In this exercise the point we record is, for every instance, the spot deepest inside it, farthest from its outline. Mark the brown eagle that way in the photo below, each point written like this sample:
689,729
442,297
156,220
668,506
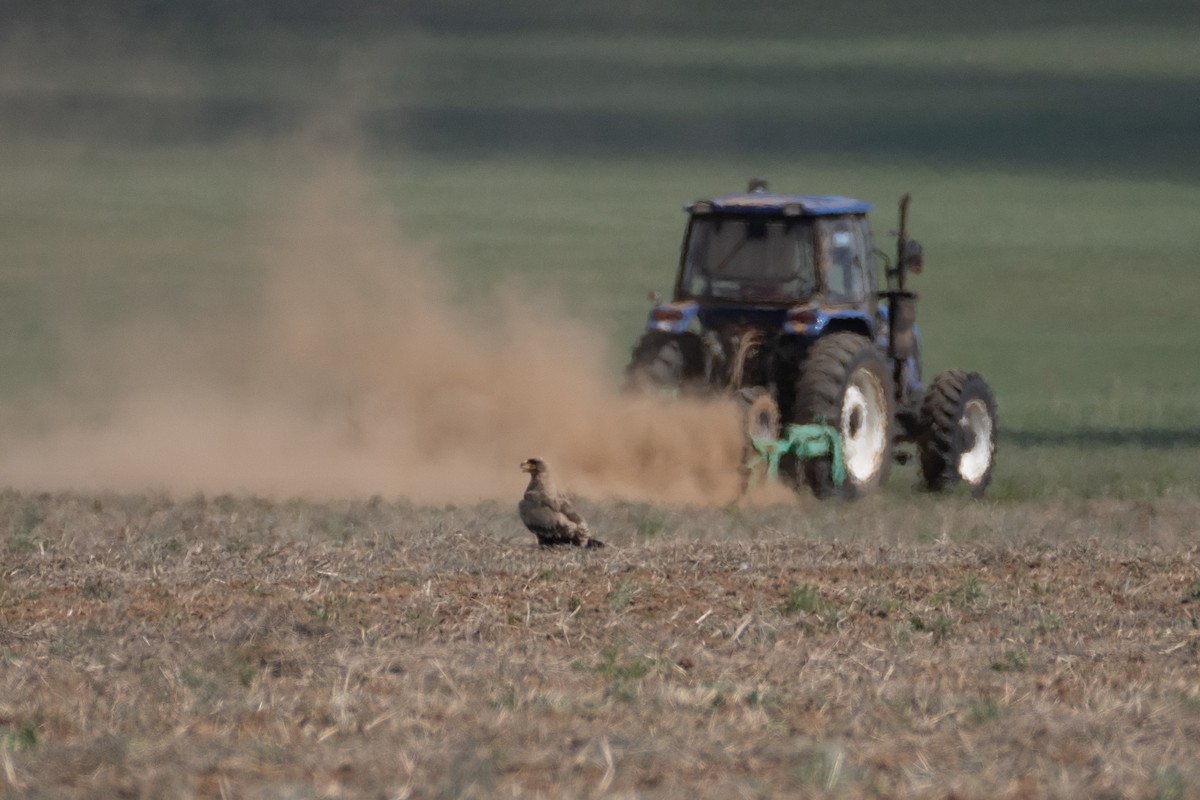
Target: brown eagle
549,513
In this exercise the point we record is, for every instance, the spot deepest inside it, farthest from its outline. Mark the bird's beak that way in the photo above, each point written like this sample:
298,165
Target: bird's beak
526,466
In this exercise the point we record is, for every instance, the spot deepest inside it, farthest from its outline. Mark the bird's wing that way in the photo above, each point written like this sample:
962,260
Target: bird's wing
538,515
563,505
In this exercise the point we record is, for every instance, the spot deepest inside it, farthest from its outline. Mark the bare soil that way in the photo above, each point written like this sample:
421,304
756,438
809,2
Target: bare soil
240,647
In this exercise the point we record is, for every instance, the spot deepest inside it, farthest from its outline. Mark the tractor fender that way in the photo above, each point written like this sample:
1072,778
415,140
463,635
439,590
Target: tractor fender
820,321
672,317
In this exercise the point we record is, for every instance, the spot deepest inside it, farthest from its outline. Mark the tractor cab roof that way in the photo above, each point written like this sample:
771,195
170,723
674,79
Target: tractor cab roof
760,202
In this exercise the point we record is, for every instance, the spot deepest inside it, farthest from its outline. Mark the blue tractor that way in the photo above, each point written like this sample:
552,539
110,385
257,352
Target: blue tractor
776,302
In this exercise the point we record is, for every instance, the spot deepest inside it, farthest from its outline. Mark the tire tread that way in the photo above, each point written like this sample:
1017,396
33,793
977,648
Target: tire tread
942,439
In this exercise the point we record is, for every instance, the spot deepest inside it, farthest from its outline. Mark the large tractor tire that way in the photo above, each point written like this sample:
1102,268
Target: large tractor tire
665,361
958,418
845,381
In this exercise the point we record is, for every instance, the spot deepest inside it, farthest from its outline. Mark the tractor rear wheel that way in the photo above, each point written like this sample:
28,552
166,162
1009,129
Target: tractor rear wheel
665,361
845,382
958,419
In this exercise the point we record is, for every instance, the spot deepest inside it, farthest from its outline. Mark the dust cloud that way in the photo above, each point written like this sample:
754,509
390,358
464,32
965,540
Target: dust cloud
357,374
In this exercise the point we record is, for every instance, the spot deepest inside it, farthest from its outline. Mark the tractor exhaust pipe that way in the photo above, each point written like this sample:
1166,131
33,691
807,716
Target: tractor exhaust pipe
902,304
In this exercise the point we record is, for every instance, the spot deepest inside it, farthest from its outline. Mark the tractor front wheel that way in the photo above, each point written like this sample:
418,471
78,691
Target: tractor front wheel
845,382
958,419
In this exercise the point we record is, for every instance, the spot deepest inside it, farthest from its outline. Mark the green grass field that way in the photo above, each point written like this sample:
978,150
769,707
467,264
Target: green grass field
1053,170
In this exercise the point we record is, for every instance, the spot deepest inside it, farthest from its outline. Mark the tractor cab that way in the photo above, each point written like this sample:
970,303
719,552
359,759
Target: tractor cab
770,249
793,264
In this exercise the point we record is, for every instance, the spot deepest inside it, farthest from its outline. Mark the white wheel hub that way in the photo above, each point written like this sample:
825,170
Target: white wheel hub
974,462
864,426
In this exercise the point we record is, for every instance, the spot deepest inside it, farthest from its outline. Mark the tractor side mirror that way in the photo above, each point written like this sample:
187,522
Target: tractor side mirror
913,257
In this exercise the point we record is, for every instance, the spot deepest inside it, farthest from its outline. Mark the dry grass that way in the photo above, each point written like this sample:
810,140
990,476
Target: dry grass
234,647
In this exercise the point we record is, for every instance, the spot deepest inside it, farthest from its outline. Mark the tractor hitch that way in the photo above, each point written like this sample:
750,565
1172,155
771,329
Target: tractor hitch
812,441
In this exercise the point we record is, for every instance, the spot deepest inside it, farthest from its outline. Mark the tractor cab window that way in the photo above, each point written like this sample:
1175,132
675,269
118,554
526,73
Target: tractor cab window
847,251
750,259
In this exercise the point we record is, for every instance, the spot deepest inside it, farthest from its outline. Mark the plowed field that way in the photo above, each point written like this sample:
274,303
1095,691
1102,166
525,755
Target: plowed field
234,647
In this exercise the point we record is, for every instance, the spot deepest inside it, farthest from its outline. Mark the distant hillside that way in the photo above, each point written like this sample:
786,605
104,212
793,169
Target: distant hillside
772,18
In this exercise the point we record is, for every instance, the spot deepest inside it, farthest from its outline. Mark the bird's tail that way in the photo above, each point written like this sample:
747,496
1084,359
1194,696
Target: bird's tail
593,544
